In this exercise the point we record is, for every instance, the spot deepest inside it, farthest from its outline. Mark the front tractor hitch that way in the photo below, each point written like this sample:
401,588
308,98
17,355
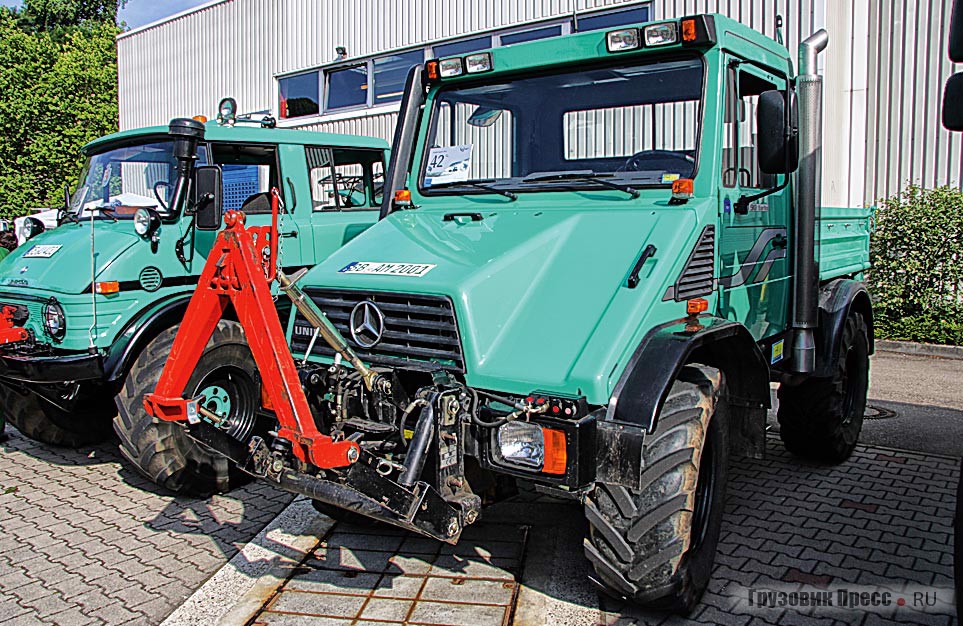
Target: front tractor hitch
10,333
237,275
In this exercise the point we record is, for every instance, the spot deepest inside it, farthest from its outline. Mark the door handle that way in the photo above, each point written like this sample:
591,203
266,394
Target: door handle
779,241
293,233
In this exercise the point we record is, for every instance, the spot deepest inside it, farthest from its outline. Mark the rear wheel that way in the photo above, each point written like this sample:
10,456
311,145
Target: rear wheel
821,418
655,546
41,420
226,376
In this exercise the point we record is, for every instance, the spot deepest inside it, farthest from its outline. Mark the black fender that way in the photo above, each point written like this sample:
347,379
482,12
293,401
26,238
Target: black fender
638,397
139,332
837,299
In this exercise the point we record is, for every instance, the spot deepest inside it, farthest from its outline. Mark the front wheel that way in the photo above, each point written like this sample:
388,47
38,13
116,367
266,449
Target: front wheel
41,420
226,376
655,546
821,418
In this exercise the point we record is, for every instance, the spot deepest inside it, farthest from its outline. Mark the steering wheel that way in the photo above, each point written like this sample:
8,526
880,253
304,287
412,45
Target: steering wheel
161,183
660,161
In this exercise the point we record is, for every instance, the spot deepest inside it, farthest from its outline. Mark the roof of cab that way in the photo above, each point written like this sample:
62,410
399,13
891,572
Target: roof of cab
249,133
579,47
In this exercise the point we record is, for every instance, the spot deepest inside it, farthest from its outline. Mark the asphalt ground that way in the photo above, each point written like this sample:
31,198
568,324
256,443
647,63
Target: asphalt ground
85,540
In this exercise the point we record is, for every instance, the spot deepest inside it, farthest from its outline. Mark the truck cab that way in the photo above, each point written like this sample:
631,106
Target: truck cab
125,259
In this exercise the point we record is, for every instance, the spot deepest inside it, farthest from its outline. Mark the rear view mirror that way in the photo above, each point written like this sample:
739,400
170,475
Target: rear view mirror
778,149
953,103
207,184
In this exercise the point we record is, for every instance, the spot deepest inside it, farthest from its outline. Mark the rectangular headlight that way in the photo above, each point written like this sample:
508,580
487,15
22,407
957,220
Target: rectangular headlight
661,34
451,67
622,40
478,63
532,446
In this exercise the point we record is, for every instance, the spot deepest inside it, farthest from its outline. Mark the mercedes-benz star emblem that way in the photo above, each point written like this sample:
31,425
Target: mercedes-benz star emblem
367,324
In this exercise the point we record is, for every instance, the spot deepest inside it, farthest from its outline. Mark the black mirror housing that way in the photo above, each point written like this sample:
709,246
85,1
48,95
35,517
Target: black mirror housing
778,150
953,103
209,193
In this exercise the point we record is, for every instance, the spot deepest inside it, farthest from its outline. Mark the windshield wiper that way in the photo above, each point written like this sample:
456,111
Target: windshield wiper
105,211
575,175
478,184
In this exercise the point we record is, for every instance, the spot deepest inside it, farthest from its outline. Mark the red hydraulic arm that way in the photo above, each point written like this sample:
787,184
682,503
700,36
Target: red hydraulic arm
9,331
236,274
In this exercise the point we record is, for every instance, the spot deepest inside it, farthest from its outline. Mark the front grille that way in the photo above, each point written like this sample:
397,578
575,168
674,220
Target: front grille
418,330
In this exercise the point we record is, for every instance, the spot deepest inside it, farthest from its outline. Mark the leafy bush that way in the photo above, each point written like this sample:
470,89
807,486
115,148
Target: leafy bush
59,92
917,274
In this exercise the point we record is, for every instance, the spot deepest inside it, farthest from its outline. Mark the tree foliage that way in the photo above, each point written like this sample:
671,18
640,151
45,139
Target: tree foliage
54,15
59,89
917,275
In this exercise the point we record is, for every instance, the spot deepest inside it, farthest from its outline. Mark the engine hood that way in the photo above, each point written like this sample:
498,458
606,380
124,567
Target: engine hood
540,295
59,260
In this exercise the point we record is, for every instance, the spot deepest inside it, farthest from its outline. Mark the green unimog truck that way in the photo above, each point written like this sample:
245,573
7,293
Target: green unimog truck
595,254
122,265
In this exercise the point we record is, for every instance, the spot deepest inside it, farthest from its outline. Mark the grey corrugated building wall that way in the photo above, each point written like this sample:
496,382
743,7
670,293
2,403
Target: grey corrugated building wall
884,69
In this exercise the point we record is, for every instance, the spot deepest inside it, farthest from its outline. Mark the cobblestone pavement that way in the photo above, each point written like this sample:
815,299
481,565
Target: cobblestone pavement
85,540
880,522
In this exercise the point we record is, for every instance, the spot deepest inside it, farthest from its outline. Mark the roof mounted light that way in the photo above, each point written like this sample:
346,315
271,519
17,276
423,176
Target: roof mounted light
478,63
623,40
227,112
699,30
449,68
661,34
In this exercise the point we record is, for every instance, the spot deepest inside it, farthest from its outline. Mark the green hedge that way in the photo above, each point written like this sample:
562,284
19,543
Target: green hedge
917,274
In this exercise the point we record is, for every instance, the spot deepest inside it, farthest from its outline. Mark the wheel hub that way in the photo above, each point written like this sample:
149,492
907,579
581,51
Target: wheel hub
232,395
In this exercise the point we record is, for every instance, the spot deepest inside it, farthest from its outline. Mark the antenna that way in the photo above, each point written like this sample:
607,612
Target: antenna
779,39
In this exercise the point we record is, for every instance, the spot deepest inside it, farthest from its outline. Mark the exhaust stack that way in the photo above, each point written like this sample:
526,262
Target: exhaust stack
809,187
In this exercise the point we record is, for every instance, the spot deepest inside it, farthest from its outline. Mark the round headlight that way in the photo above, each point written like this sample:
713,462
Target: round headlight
145,222
54,320
30,228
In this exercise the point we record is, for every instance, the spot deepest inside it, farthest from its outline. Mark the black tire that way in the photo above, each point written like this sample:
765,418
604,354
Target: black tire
161,450
821,418
958,548
656,546
38,419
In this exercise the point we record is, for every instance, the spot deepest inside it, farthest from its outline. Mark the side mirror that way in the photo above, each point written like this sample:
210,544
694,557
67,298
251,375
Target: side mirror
777,148
207,183
956,33
953,103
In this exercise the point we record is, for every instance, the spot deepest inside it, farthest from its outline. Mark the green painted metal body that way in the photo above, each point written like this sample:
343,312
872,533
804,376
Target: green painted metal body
121,255
539,285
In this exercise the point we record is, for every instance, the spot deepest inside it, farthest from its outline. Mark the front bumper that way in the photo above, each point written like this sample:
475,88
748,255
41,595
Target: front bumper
51,368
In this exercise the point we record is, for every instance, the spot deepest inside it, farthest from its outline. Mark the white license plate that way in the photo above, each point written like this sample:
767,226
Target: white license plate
415,270
41,252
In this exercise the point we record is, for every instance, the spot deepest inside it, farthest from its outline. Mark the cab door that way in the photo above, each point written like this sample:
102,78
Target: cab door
754,276
346,186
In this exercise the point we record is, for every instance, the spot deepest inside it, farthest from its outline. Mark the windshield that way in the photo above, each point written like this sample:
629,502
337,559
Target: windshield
632,125
114,184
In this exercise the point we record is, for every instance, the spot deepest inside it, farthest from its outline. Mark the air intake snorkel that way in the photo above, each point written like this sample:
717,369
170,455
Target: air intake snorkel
809,185
186,134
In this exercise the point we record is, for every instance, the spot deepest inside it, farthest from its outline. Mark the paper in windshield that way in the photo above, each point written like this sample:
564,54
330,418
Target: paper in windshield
448,165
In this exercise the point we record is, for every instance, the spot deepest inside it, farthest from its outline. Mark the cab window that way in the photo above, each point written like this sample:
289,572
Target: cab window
740,166
249,174
345,179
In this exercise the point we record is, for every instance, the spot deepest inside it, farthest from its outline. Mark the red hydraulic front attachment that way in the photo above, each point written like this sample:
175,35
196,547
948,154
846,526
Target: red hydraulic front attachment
9,331
237,274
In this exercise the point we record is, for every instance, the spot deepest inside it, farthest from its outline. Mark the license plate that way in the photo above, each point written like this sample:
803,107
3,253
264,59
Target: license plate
416,270
41,252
